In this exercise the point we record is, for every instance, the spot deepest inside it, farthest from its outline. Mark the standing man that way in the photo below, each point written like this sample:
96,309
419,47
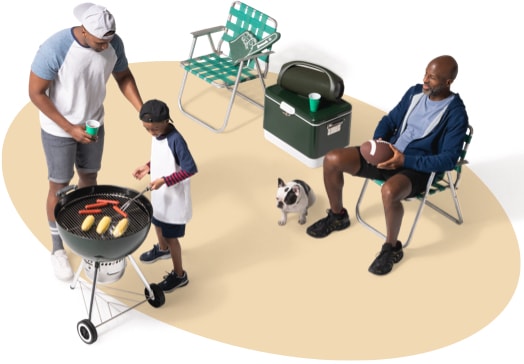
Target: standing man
426,130
67,83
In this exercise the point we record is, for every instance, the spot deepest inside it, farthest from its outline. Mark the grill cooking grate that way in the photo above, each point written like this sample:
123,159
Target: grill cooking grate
69,218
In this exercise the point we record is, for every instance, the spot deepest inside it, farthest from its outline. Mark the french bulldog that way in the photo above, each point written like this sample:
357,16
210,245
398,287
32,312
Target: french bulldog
295,196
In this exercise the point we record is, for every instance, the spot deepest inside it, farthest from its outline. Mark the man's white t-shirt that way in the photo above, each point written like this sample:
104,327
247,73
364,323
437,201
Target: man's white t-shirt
79,76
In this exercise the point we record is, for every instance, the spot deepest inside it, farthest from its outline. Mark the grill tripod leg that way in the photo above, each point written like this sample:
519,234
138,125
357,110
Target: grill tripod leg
142,278
93,290
77,275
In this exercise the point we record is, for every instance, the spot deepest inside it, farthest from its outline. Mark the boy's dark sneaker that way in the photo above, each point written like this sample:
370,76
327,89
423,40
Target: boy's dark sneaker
389,255
154,254
172,281
328,224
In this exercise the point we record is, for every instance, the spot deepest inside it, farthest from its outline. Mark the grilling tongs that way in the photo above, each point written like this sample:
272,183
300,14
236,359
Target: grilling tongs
129,202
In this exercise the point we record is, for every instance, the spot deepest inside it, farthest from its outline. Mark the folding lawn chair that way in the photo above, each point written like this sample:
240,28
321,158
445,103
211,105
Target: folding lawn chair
241,55
438,182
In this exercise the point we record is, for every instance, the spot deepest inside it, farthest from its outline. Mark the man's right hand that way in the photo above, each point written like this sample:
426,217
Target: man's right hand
78,133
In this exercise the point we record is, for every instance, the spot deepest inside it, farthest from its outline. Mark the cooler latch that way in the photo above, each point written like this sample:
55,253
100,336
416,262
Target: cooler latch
287,109
334,127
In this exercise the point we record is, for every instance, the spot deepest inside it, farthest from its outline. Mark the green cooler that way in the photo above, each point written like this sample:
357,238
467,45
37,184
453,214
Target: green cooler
307,136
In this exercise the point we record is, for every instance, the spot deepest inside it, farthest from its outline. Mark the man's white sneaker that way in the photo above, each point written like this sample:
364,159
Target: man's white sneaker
61,265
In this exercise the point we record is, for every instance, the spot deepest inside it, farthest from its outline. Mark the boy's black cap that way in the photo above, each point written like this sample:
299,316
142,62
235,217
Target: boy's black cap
154,111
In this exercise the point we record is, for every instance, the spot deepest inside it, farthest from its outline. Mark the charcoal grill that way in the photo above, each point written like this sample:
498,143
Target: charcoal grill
103,253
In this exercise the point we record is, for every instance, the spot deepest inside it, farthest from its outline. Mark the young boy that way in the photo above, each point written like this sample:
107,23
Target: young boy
171,166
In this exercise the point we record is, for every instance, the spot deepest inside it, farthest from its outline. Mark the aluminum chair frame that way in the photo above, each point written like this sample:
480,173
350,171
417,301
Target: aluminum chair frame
436,183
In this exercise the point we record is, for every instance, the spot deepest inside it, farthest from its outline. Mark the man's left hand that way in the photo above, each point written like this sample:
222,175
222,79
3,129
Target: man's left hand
395,162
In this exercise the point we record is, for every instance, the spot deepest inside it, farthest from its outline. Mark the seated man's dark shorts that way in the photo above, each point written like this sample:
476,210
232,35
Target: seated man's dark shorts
418,179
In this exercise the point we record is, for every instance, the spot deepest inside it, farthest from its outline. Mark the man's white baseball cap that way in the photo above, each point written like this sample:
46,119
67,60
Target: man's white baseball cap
96,19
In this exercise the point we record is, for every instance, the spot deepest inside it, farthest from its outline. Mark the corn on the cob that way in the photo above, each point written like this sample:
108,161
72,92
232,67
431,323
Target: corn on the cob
121,227
103,225
88,222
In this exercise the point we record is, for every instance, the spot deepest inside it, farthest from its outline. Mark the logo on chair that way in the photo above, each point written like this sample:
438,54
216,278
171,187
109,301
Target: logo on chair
248,40
246,45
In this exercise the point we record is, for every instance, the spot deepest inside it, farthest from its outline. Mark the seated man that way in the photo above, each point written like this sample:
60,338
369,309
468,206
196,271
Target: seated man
426,129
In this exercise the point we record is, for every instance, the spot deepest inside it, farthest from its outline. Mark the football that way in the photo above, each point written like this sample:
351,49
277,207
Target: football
376,151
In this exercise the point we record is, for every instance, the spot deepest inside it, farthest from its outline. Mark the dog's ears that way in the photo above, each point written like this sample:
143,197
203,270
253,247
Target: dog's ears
281,182
296,189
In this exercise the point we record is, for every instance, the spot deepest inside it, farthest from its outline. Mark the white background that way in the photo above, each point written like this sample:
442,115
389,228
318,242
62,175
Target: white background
380,48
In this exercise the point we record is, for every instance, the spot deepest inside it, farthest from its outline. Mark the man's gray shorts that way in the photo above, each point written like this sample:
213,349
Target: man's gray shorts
63,154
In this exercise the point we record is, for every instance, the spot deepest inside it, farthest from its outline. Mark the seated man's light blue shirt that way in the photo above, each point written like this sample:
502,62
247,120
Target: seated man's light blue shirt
420,120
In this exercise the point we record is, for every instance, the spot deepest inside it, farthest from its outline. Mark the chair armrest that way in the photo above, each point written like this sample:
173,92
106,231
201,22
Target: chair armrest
208,31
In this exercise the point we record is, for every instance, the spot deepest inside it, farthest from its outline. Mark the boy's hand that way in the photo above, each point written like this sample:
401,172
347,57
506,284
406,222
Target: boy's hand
141,171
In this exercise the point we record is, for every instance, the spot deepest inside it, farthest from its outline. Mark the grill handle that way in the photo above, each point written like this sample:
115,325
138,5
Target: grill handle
63,191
